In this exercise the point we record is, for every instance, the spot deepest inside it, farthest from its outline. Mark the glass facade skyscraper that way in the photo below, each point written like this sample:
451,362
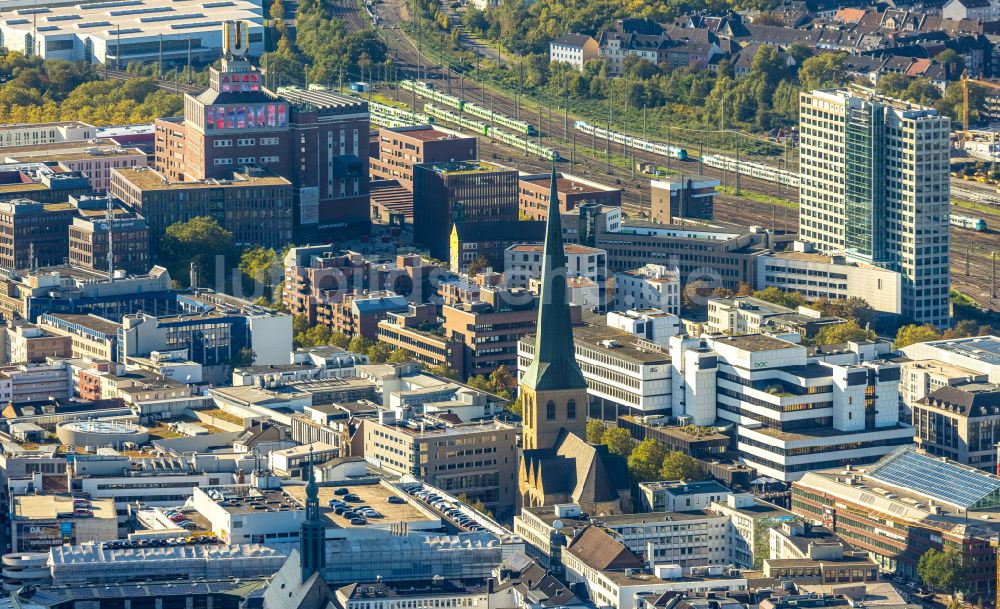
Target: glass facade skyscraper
874,185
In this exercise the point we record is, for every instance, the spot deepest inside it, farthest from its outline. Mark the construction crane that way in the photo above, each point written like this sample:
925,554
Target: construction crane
966,85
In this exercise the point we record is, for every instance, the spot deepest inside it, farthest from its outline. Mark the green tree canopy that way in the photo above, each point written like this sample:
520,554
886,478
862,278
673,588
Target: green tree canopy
200,241
678,466
835,334
595,431
646,460
618,440
775,295
911,334
261,266
942,571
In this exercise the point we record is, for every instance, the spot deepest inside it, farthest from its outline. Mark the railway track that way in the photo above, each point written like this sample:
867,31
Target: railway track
166,85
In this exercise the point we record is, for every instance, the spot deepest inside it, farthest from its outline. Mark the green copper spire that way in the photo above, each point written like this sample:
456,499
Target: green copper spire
312,532
554,366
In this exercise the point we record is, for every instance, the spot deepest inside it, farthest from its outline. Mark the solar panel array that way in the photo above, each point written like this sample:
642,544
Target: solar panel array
946,482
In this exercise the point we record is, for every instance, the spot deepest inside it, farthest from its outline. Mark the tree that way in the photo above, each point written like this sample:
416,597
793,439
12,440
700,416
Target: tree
479,265
942,570
277,13
595,430
823,71
911,334
852,308
399,356
618,440
835,334
780,297
378,353
502,380
445,371
516,407
477,504
359,344
199,241
243,358
479,382
953,62
646,460
261,266
678,466
339,339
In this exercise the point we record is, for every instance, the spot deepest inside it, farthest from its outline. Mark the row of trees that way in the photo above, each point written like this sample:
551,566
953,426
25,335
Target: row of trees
686,97
36,90
323,50
647,460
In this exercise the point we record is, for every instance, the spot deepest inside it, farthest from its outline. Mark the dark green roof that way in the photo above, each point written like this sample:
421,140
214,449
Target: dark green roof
554,366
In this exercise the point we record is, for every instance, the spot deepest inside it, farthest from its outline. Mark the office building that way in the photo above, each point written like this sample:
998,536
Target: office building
33,134
793,412
490,328
523,266
316,140
614,576
960,422
749,315
651,286
484,244
414,331
690,538
91,236
472,459
445,194
955,507
980,354
750,522
573,191
147,32
34,233
681,495
819,275
25,342
396,150
41,183
920,378
670,201
39,522
317,276
256,209
874,176
95,161
717,253
625,373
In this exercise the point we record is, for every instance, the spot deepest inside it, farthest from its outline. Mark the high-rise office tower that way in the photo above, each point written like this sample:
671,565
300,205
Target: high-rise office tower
874,184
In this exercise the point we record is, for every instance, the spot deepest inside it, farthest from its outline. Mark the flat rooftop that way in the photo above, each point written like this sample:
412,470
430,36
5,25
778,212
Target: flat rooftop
426,133
68,151
150,179
547,514
47,507
137,19
565,184
427,427
980,348
463,167
821,433
626,346
248,500
93,322
569,248
375,496
681,488
755,342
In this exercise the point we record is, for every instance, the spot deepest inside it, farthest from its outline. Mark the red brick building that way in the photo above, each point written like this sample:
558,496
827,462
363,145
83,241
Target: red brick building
396,150
318,140
533,199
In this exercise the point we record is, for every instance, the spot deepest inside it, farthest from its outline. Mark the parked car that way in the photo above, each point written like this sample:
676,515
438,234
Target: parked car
358,521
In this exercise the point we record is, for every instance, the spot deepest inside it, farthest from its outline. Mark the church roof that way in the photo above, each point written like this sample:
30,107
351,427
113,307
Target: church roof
554,365
288,591
586,472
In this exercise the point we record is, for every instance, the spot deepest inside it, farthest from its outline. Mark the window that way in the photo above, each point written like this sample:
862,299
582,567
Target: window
550,411
571,410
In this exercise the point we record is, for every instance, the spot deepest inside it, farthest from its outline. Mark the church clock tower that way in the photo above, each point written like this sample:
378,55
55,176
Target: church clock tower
553,390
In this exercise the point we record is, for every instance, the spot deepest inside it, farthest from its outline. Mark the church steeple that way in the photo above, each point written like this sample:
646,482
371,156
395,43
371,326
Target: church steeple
312,533
553,387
